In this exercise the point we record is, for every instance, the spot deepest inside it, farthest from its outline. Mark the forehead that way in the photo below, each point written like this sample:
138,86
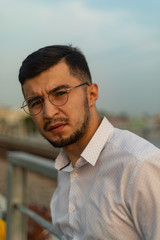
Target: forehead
51,78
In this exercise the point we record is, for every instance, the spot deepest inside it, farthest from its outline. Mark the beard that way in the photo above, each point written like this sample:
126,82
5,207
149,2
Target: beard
77,134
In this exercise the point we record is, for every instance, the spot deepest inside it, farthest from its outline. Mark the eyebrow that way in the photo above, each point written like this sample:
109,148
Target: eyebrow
31,99
66,86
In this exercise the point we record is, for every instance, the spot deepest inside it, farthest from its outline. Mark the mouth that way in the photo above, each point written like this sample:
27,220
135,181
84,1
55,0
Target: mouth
56,125
56,128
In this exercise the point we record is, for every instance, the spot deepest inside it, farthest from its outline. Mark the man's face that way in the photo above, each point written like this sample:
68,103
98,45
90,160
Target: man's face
65,125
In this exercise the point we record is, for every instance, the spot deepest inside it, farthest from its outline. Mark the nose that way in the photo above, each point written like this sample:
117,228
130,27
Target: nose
49,110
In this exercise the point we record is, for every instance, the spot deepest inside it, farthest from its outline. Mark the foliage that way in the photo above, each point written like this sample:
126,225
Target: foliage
29,125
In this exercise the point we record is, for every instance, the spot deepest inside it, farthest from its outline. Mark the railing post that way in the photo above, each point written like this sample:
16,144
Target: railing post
18,165
16,194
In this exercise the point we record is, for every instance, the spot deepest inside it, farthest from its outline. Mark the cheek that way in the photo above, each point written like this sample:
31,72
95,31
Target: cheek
79,111
77,102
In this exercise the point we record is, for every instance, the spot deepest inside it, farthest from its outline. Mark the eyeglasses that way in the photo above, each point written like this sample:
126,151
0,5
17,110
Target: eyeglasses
58,97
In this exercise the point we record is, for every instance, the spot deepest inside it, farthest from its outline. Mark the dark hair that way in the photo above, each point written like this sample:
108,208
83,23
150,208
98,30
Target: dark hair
46,57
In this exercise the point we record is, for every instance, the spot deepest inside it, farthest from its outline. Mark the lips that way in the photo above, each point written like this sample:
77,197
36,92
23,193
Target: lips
58,125
51,125
56,128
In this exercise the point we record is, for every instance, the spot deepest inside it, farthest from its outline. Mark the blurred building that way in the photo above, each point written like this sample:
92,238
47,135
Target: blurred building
12,122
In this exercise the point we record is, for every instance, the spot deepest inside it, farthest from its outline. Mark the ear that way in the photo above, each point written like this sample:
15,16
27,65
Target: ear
92,94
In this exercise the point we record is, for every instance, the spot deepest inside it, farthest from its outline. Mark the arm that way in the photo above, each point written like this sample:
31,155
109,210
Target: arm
144,198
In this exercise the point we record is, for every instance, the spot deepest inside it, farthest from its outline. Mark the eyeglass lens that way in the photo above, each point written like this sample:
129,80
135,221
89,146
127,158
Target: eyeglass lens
58,98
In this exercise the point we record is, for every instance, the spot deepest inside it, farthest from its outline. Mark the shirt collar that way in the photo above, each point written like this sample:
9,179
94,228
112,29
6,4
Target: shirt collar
61,161
92,150
97,142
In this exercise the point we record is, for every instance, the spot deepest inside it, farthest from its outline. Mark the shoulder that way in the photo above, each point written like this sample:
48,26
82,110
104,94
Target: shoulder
133,144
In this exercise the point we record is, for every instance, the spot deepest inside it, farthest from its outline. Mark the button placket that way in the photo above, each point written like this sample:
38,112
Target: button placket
73,198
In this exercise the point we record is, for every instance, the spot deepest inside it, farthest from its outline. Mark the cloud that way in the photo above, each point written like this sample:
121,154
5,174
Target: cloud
117,41
29,22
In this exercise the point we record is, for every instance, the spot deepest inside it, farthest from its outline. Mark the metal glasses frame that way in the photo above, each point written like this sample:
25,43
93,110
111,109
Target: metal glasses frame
42,99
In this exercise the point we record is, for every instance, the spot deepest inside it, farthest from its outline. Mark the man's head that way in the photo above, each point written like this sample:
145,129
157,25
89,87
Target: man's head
49,56
59,95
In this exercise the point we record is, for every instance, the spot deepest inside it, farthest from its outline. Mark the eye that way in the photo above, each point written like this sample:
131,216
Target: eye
60,93
34,103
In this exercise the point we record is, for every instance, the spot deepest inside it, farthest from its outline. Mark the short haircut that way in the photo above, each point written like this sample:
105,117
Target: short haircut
46,57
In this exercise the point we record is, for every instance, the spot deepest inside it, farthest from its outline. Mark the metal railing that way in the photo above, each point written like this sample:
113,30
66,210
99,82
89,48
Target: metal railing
18,165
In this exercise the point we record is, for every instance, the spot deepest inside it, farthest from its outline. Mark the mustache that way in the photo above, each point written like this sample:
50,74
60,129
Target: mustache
52,122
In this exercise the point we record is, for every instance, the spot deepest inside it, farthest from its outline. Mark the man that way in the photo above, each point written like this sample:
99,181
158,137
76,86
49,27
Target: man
108,179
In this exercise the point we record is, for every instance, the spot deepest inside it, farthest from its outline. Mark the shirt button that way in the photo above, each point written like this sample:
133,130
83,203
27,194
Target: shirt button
74,174
72,208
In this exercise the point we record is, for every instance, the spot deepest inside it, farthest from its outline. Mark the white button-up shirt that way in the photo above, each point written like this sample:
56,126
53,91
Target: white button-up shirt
113,192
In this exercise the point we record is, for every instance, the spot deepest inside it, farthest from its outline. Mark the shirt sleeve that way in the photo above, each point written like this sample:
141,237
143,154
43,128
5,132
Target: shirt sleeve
144,198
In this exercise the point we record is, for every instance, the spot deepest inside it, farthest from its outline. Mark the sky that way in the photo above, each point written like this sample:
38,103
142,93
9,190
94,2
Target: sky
120,39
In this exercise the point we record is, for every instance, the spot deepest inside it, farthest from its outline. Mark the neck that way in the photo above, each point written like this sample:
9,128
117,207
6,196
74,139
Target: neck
74,151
